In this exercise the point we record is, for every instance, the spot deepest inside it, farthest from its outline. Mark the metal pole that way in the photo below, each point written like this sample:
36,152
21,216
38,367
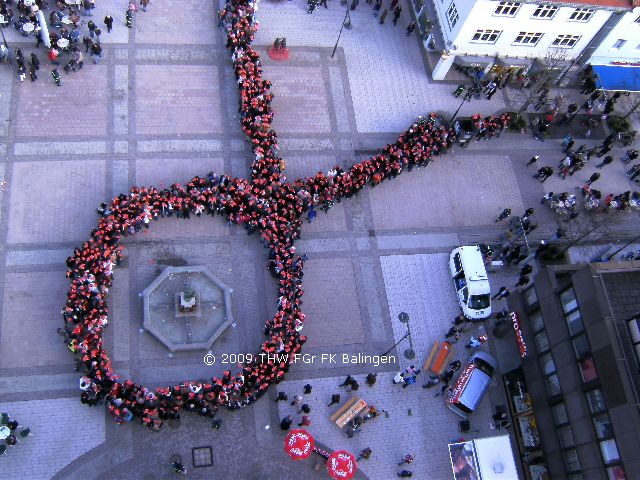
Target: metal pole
395,345
461,104
341,28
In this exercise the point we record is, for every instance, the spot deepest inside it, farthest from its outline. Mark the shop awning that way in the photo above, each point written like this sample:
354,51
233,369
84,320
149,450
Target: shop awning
625,78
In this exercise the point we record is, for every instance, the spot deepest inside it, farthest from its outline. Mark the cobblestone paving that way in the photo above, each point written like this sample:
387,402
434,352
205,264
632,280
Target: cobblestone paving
162,107
37,456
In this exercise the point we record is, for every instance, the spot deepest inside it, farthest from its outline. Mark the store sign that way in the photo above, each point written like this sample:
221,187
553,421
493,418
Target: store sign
515,319
461,383
628,64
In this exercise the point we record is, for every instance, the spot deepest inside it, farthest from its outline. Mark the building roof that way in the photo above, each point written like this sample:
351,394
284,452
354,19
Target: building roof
626,4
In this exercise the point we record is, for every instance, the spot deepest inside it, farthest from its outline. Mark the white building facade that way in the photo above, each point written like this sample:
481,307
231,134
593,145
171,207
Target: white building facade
622,44
481,32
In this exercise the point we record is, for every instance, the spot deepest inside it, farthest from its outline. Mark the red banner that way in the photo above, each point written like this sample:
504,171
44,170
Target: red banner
515,319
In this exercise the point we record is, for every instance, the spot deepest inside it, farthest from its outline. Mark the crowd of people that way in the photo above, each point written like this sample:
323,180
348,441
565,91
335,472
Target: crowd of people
65,36
266,203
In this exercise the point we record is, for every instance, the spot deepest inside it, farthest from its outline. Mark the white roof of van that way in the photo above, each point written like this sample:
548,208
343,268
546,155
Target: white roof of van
493,451
472,263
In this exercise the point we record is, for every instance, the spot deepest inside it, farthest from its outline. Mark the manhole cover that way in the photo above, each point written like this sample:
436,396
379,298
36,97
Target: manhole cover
202,457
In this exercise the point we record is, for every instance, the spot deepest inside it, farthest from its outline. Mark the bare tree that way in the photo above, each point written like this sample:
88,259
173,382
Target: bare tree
551,63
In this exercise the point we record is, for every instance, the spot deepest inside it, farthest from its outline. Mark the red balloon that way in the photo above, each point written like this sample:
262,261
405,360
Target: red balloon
342,465
299,444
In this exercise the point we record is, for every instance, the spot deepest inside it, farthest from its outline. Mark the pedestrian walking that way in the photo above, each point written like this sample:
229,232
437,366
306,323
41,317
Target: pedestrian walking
458,91
411,28
87,6
305,408
533,160
377,7
398,378
606,161
567,138
491,89
56,77
629,156
53,56
503,292
371,379
96,50
405,474
307,389
297,400
108,21
144,4
128,18
305,422
92,28
595,176
87,43
526,270
476,342
383,16
396,14
335,398
443,389
522,281
543,173
433,381
286,422
604,149
354,4
459,320
505,213
408,459
364,454
35,61
98,32
282,397
347,381
566,147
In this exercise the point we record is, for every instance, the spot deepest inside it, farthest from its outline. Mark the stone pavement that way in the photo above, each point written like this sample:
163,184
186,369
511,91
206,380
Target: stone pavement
162,107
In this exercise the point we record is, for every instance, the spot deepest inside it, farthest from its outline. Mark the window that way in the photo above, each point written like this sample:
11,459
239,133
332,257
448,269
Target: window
452,15
560,416
565,436
582,14
553,385
634,325
566,41
545,11
595,399
530,296
603,427
571,461
568,299
486,36
609,451
542,341
547,364
535,320
619,43
507,9
616,473
525,38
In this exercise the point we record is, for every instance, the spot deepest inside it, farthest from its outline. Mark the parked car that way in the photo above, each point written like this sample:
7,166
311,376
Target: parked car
471,384
471,282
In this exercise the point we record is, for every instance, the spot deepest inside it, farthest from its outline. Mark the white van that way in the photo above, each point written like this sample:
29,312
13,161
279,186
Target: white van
471,282
471,384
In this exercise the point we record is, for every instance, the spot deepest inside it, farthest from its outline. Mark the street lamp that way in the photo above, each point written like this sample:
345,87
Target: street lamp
346,23
409,353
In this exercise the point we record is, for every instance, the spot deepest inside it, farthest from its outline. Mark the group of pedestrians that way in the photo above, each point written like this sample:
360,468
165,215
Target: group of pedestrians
394,7
490,126
266,203
64,38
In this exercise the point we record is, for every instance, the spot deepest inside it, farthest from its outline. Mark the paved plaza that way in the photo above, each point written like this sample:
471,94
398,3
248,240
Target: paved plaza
161,107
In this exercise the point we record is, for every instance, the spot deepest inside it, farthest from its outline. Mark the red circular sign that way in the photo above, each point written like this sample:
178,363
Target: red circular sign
299,444
342,465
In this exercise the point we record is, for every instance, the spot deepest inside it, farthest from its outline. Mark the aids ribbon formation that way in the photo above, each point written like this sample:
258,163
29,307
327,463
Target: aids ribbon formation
267,203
